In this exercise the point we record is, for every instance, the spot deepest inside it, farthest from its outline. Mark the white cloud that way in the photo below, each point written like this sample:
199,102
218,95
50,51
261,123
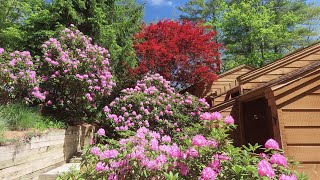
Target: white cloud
160,3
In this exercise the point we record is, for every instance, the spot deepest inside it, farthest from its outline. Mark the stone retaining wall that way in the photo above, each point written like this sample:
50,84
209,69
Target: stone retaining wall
30,159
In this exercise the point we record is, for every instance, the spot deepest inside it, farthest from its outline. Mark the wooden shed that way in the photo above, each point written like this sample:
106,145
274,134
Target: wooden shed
219,91
288,110
282,101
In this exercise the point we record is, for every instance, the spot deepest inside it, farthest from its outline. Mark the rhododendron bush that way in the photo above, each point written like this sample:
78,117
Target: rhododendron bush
154,104
75,74
72,77
196,147
18,78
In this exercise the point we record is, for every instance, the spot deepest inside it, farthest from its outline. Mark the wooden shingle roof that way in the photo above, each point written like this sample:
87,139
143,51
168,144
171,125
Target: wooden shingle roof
285,65
225,82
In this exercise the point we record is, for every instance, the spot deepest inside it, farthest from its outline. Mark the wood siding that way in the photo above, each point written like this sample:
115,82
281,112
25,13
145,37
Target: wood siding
300,125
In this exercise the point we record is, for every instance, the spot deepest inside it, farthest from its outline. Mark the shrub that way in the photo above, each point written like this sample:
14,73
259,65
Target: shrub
198,147
154,104
18,77
205,153
75,75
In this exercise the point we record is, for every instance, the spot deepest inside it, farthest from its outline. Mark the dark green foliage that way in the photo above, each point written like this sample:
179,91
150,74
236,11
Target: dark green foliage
26,24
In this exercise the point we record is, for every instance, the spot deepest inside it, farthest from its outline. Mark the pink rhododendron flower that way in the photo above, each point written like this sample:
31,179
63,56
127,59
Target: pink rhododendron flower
192,152
154,144
166,139
263,155
212,143
100,166
208,174
113,176
216,116
265,169
1,50
287,177
215,165
228,120
206,116
184,169
279,159
161,159
271,144
175,151
101,132
199,140
95,151
109,154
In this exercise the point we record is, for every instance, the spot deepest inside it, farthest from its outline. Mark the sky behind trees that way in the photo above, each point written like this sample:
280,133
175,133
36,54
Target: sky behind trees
162,9
167,9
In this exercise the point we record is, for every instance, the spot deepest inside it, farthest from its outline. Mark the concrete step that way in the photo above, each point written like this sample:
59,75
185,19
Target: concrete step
75,160
54,173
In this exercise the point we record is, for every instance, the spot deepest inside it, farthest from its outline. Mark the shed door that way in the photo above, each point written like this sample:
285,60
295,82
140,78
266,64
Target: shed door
257,121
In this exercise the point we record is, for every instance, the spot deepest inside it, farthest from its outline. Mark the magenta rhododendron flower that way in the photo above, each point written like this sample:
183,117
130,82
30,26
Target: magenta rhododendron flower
279,159
100,166
101,132
215,165
192,152
228,120
265,169
216,116
199,140
271,144
287,177
208,174
263,155
95,151
109,154
184,169
166,139
212,143
206,116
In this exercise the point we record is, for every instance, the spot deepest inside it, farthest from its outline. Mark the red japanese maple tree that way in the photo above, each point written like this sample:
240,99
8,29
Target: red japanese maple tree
183,52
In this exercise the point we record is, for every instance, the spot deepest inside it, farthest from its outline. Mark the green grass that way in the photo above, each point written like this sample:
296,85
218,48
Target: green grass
18,117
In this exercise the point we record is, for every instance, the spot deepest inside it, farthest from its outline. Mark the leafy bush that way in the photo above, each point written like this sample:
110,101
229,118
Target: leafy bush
75,75
198,147
154,104
18,77
204,153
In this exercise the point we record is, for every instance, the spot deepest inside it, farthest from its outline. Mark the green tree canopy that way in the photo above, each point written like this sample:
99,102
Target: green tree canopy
256,32
26,24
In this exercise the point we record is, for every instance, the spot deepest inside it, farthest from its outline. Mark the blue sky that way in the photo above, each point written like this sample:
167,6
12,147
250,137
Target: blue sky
167,9
162,9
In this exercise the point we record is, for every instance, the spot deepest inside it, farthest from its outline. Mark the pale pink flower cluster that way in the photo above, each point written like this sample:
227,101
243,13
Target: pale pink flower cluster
101,132
288,177
18,73
211,116
200,141
265,169
279,159
156,105
82,67
208,174
264,166
150,150
271,144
